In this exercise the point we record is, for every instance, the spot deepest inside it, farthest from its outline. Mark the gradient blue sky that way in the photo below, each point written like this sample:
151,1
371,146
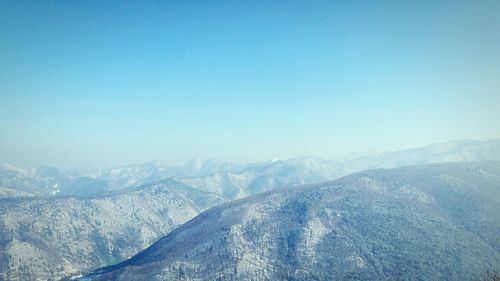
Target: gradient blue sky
102,83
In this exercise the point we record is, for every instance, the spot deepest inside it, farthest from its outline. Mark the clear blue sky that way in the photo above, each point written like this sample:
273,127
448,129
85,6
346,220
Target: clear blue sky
93,83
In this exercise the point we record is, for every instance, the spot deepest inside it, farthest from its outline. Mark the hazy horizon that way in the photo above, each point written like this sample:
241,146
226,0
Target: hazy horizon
186,161
87,84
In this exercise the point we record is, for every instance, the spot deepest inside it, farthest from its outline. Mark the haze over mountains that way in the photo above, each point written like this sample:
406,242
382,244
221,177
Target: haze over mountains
55,223
231,180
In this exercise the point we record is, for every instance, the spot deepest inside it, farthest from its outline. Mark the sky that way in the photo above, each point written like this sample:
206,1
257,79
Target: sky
99,83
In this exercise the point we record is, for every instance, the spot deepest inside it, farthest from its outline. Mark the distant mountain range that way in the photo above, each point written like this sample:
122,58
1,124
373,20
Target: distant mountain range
49,181
231,180
431,222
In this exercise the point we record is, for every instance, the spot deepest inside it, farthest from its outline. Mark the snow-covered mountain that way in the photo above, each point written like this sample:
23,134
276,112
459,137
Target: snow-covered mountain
140,174
15,182
51,237
46,182
257,178
431,222
452,151
262,176
49,181
60,199
231,180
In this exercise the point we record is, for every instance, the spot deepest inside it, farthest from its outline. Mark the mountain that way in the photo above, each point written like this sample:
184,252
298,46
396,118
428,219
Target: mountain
263,176
233,181
48,238
49,181
256,178
46,182
15,183
67,198
452,151
139,174
430,222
